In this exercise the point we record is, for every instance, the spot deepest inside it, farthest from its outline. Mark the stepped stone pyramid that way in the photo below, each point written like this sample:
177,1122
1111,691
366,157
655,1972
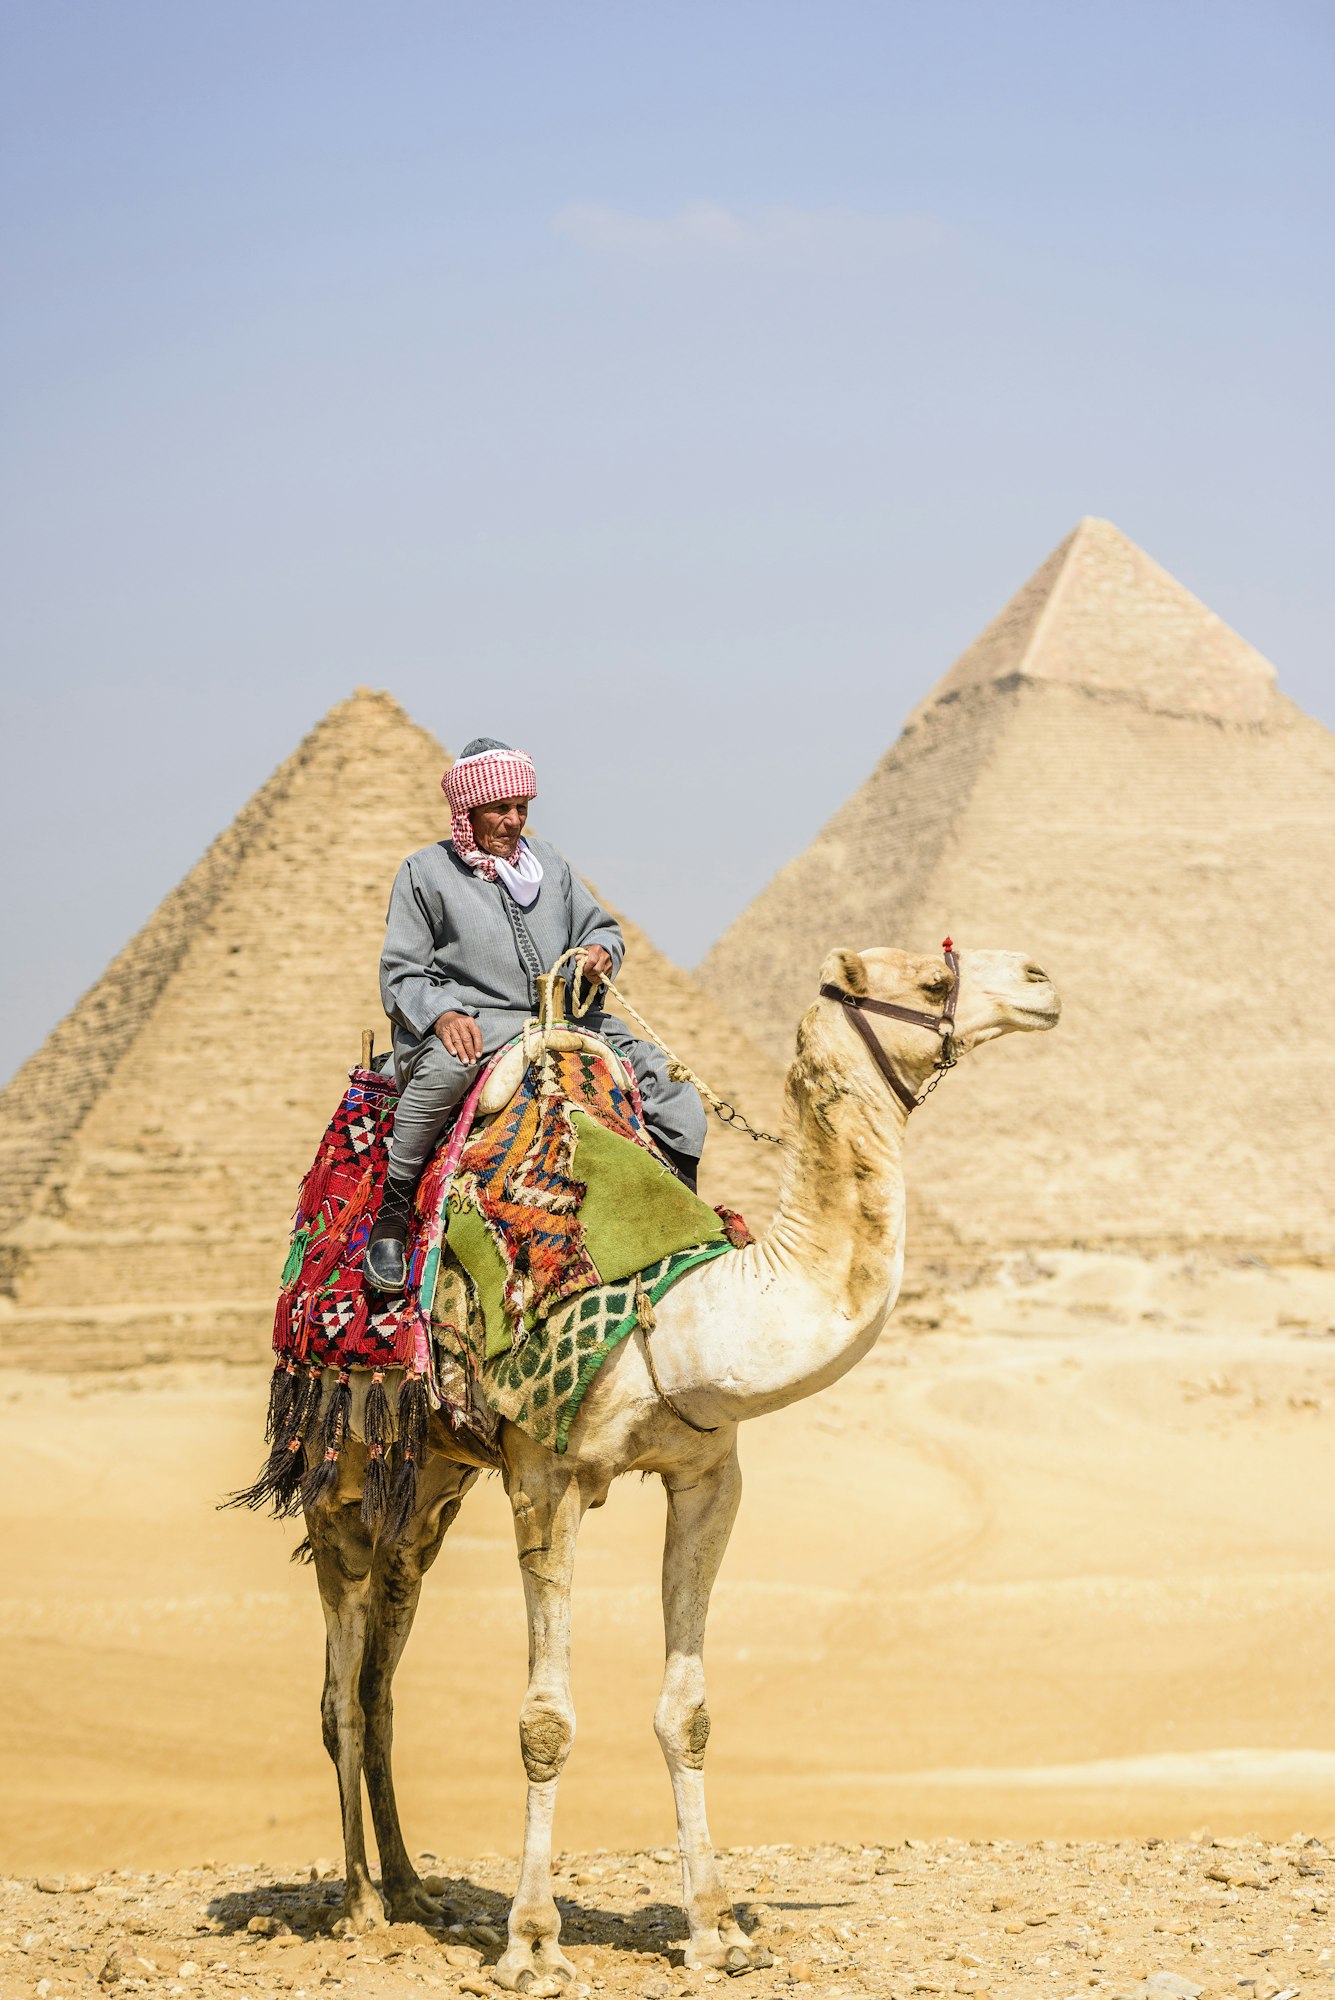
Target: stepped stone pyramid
1109,781
150,1150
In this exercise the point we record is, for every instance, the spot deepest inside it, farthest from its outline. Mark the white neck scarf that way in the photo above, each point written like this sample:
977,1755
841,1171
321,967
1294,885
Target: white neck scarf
522,877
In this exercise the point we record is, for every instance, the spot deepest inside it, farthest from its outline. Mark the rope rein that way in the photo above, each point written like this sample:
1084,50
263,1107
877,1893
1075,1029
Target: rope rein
583,993
681,1072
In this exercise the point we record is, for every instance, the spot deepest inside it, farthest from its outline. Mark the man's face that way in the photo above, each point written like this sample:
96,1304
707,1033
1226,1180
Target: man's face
497,827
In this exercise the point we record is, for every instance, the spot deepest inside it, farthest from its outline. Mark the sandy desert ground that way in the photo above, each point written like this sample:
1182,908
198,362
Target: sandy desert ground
1056,1565
993,1920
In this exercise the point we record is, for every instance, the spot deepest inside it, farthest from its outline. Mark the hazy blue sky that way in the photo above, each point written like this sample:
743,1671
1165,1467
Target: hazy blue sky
673,389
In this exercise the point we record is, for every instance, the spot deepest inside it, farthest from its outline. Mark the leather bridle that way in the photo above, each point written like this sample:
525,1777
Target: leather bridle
942,1024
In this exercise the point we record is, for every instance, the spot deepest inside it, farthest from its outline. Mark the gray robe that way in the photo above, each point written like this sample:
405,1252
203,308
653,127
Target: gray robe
456,942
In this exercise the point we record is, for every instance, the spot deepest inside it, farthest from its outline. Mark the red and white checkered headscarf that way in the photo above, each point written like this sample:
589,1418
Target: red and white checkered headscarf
480,779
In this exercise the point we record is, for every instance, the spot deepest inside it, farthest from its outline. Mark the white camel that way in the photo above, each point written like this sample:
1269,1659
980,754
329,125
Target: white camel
737,1338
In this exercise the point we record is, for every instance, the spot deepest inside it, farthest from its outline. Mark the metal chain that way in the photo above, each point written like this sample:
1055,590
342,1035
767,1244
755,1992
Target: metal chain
727,1114
945,1061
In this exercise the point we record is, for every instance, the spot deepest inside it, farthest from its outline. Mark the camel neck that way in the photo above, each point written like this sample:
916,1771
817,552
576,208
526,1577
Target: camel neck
840,1220
827,1272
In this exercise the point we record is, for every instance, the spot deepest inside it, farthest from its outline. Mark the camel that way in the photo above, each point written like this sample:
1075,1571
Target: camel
735,1339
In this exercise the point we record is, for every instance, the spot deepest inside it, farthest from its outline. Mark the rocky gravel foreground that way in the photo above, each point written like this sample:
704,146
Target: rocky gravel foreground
1160,1920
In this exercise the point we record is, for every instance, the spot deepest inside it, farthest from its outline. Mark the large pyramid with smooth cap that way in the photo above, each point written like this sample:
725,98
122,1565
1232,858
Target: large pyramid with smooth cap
150,1150
1109,781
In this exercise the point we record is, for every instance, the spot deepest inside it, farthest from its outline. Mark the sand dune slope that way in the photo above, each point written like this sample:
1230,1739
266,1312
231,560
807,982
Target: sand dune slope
1059,1559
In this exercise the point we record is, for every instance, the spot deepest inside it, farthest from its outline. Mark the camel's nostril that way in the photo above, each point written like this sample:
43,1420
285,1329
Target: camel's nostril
1036,973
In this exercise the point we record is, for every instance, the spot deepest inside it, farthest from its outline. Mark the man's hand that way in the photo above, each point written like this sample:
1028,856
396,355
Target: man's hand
461,1036
596,965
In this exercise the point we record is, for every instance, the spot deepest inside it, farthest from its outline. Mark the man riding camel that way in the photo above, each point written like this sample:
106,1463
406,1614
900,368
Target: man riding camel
473,921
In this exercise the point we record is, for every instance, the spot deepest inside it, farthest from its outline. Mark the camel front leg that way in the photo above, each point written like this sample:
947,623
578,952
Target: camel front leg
548,1507
700,1518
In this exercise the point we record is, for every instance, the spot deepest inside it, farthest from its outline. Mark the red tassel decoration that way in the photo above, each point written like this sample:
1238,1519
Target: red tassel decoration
314,1189
325,1253
282,1324
356,1327
405,1334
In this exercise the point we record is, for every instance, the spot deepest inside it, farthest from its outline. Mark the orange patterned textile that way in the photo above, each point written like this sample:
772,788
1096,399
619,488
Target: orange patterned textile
519,1173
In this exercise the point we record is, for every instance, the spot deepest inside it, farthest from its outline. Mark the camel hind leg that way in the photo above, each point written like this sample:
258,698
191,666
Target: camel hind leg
342,1551
396,1585
369,1599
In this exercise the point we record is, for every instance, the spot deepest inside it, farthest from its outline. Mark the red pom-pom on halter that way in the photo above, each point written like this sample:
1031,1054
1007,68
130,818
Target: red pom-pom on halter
947,944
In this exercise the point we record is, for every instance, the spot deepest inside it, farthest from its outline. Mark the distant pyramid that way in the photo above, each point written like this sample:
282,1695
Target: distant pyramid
150,1150
1099,615
1108,780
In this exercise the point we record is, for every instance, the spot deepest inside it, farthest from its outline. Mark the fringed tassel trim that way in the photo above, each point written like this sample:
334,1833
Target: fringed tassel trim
375,1487
314,1190
378,1430
284,1328
292,1411
378,1424
406,1332
356,1327
323,1475
282,1388
408,1457
296,1257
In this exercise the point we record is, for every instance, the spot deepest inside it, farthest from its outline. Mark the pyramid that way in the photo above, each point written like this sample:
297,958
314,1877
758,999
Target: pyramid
1109,781
150,1150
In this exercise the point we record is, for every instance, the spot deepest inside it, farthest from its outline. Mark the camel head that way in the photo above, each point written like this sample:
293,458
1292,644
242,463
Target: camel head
1000,993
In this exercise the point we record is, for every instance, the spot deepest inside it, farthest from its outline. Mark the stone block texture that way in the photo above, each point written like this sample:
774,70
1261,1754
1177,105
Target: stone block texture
150,1150
1109,782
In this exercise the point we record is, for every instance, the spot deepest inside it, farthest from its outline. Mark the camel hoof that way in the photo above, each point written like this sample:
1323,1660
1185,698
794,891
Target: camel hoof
756,1959
539,1971
360,1918
514,1971
552,1963
416,1905
736,1960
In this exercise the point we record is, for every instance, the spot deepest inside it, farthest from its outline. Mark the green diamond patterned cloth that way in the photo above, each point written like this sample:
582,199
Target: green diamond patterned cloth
541,1384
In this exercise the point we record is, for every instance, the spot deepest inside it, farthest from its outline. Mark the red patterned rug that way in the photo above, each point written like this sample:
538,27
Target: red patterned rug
326,1319
517,1172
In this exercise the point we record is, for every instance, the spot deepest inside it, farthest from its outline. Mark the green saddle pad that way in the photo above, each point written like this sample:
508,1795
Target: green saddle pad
635,1214
540,1385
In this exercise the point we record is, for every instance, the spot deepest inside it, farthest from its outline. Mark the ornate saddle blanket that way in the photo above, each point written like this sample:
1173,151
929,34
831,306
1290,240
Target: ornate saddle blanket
541,1384
551,1209
324,1315
564,1191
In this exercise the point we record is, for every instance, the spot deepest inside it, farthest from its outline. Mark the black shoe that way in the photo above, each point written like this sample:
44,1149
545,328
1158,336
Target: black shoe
385,1258
686,1166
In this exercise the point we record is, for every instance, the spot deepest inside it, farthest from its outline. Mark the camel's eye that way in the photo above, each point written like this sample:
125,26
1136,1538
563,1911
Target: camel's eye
937,985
